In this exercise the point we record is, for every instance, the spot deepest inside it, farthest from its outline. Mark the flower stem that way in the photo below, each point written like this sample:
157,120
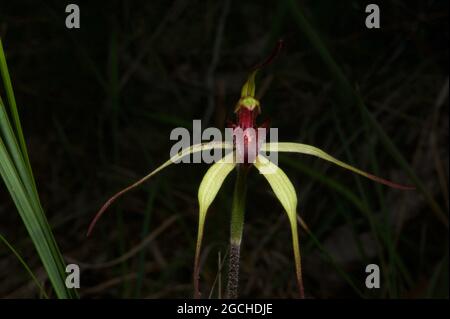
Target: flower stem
197,263
237,226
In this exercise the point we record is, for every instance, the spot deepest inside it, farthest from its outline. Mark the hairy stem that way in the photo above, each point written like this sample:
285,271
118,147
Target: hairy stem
233,271
237,226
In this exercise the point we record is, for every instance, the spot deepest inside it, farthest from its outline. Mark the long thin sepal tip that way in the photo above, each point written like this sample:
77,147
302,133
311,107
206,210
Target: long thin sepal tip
389,183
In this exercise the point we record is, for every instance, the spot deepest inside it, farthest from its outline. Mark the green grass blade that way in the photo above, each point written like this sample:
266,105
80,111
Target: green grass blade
331,260
13,107
32,223
349,94
15,170
24,264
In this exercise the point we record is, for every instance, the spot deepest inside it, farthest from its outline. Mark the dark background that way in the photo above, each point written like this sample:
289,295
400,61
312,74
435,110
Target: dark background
98,104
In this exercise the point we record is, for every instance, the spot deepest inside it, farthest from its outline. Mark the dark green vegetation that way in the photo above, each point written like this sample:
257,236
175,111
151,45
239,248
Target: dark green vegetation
97,106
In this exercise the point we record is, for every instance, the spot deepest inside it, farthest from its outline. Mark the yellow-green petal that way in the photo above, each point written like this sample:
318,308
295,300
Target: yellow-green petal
209,187
312,150
285,192
248,89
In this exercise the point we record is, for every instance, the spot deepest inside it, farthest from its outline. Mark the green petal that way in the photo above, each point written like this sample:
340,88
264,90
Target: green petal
248,89
285,192
311,150
209,187
189,150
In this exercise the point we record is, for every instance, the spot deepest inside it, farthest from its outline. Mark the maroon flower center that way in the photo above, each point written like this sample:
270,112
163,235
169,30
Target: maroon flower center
248,137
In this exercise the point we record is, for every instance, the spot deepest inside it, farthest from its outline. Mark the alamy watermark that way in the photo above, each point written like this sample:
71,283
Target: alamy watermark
73,276
373,277
245,144
73,17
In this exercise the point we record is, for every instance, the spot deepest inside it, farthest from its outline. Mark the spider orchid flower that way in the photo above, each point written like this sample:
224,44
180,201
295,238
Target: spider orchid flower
247,110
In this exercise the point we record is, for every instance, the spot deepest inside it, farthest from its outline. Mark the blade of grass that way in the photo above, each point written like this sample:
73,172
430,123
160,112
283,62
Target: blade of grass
335,185
13,107
369,215
330,259
24,264
37,231
113,90
436,287
145,229
343,210
16,172
349,94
